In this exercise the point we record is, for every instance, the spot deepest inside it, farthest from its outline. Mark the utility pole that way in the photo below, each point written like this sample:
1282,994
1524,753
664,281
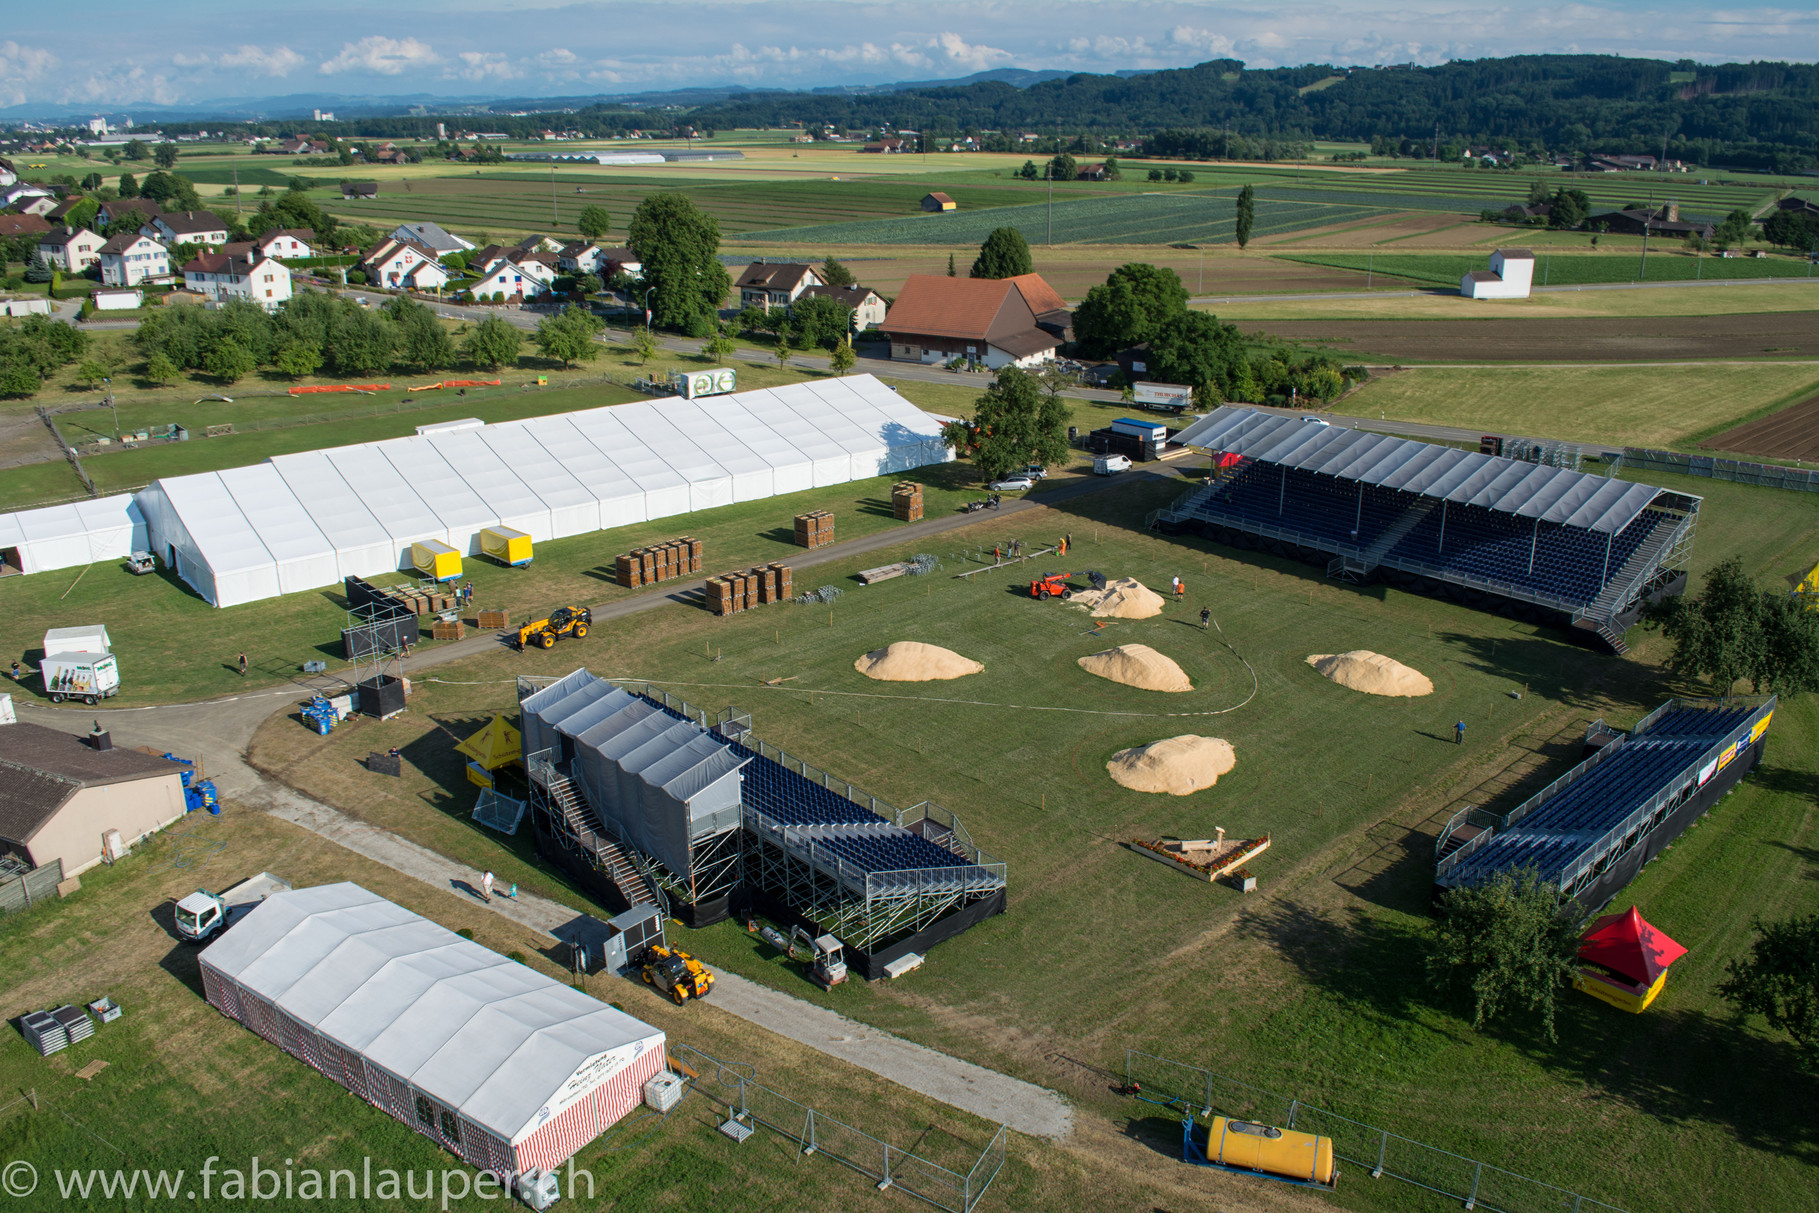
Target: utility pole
1436,139
554,206
1051,202
236,189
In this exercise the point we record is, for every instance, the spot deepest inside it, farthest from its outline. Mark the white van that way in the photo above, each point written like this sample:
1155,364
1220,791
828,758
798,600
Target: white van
1106,465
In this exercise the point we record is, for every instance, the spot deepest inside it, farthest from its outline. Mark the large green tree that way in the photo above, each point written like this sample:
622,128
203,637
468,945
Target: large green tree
817,320
1780,981
1569,208
1509,944
1005,254
422,342
677,244
594,222
834,273
1195,349
293,209
1013,424
493,343
1792,230
1735,629
1247,214
1128,308
165,155
568,336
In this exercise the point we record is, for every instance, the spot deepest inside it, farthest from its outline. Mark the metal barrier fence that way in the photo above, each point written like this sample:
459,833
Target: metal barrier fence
1768,475
1381,1153
817,1133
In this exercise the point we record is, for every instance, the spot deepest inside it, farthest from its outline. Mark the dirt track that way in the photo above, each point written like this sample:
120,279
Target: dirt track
1587,339
1792,433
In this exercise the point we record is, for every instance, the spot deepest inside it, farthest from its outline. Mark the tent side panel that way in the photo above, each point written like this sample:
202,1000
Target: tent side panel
213,987
592,1114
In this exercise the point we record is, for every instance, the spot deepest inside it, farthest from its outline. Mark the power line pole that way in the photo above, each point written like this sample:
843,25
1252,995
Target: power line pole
554,206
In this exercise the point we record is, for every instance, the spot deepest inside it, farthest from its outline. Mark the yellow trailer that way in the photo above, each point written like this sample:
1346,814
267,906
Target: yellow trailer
508,547
436,559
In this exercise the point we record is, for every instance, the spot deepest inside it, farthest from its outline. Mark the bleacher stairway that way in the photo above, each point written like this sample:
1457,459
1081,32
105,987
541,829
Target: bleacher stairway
1600,615
586,824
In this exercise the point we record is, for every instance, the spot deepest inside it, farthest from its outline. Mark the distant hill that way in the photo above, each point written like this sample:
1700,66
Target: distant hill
1016,77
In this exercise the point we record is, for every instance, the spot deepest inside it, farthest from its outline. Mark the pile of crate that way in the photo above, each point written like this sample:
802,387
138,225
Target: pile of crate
494,619
906,501
814,529
425,602
730,593
448,629
647,566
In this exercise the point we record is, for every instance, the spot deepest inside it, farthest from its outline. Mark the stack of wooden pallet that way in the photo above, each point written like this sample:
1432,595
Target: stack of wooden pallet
730,593
814,529
425,602
494,619
453,630
906,501
647,566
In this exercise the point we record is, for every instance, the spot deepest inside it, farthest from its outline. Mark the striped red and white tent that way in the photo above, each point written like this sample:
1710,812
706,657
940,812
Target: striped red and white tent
504,1067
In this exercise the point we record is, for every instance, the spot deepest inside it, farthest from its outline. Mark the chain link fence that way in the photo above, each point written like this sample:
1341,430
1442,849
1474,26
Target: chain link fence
734,1085
1379,1152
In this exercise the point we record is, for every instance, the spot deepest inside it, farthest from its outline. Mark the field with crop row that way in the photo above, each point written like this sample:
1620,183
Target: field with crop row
1202,218
1575,269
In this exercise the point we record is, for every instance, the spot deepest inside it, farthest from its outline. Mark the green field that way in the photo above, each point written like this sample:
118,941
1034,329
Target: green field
1665,263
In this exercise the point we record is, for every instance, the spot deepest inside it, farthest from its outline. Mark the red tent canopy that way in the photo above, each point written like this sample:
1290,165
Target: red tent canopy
1625,944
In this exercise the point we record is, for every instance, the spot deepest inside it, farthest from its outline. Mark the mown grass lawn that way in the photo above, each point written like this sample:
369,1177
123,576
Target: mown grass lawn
1570,269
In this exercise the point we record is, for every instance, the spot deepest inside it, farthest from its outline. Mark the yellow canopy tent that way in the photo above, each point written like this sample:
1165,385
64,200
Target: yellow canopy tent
1808,589
497,745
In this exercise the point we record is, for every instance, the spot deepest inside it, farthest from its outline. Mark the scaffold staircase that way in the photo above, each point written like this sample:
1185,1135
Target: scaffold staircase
613,860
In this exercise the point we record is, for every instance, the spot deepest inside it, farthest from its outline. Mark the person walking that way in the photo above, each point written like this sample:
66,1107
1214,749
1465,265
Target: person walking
1175,584
486,887
1206,615
16,674
243,665
1459,733
1180,590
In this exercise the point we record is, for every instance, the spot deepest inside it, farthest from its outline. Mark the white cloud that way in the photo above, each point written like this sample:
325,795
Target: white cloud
560,57
385,56
20,68
270,61
124,87
485,65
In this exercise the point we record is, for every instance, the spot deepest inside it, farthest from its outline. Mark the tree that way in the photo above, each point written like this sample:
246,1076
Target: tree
172,191
1005,254
297,358
128,187
1569,208
835,274
1733,231
1128,308
1792,230
362,342
160,369
783,352
1247,214
1155,174
568,336
165,155
421,339
1736,630
1780,981
1185,176
644,345
1508,944
93,181
493,343
818,320
1194,348
1113,172
1014,423
677,244
91,372
228,361
39,269
950,265
844,358
594,222
135,150
719,347
1029,171
1063,168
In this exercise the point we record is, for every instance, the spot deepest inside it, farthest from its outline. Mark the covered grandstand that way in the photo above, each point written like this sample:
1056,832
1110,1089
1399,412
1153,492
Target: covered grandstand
309,520
634,789
1534,541
1591,830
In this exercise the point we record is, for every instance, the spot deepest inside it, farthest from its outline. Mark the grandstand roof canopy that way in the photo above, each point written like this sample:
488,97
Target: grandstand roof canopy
1508,486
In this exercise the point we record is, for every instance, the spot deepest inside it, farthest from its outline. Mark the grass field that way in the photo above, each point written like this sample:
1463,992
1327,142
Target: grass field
1571,269
1661,406
1741,299
1314,986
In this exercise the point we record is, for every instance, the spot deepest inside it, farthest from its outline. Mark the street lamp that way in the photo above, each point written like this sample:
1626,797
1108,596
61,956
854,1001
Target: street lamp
113,407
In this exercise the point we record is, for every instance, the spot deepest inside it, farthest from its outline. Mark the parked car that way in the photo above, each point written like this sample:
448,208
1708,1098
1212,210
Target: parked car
1106,465
1312,420
1013,484
1035,471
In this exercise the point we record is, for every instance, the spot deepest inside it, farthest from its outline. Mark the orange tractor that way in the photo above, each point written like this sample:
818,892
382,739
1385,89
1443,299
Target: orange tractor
1054,585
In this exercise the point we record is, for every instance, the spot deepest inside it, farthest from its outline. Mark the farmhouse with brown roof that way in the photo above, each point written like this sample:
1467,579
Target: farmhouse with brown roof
984,320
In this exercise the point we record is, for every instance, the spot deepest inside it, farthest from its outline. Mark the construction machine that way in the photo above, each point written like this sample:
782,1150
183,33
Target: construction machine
675,973
563,621
826,956
1054,585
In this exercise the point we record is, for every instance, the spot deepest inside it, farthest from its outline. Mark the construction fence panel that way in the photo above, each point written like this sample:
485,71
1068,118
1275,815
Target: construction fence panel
29,888
1375,1152
1767,475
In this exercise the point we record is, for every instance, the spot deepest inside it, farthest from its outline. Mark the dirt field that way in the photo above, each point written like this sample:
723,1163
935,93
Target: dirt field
1395,227
1792,433
1592,339
1679,300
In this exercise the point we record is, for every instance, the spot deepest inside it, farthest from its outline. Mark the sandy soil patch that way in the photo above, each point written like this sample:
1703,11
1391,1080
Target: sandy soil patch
1178,766
1372,673
913,661
1138,665
1123,598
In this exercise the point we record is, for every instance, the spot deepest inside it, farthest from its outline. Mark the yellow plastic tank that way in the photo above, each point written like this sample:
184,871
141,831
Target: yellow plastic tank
1620,993
436,559
1301,1157
508,547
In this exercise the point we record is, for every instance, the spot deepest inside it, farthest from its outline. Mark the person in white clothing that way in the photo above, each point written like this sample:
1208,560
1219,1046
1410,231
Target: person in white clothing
486,887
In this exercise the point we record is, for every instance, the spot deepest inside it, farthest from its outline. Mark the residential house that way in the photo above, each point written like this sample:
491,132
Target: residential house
60,796
984,320
1050,309
433,236
299,146
9,175
1090,172
539,244
868,306
519,277
581,257
884,147
70,251
14,226
59,215
111,212
130,258
616,261
427,277
770,284
187,227
487,258
388,155
359,191
22,192
1663,221
388,262
1800,206
36,204
285,243
938,201
219,277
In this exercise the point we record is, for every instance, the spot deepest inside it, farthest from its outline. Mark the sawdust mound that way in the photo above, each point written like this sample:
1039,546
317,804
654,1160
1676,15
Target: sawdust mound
1179,766
913,661
1137,665
1122,598
1372,673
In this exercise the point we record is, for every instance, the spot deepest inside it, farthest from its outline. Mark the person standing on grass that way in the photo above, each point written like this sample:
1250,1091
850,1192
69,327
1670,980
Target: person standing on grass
486,887
1459,733
1205,615
243,665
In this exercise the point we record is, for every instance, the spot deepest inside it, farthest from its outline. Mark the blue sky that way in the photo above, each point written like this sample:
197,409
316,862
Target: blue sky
177,51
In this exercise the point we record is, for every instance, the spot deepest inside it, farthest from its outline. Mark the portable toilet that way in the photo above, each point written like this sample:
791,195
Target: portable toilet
510,548
91,639
436,559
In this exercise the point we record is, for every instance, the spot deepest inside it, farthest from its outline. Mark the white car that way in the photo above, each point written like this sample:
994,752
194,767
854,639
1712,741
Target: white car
1107,465
1012,484
1310,419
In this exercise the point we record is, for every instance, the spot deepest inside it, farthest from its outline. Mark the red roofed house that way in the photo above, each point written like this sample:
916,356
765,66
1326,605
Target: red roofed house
984,320
774,283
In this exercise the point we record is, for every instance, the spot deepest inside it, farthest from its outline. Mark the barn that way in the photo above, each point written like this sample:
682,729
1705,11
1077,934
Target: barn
500,1065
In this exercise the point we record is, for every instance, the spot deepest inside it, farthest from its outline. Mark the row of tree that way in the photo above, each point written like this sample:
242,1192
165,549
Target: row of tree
33,350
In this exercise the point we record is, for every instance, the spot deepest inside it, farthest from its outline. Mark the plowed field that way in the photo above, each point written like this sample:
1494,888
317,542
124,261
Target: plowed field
1793,433
1768,335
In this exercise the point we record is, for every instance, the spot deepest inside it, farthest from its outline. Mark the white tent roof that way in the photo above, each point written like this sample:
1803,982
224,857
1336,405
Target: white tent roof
491,1038
64,536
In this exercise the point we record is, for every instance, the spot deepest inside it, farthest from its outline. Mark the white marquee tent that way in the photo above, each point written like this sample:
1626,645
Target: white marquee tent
505,1067
305,521
64,536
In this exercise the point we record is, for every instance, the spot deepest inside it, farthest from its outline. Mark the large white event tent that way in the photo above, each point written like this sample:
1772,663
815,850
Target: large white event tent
64,536
505,1067
299,522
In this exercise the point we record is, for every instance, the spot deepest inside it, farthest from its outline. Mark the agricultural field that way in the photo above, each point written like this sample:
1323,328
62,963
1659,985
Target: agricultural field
1790,433
1663,264
1313,987
1789,296
1636,405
